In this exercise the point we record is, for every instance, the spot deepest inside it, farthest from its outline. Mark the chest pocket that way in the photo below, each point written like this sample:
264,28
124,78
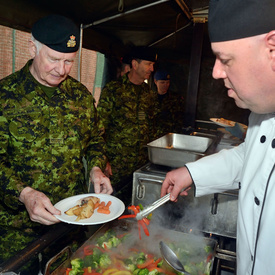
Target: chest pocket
24,124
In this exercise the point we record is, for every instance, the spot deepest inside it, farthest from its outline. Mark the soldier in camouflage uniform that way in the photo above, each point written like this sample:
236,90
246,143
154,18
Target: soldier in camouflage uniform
170,108
126,109
48,123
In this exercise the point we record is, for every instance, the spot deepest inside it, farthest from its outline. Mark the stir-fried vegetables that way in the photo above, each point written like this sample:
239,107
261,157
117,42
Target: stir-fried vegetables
109,256
142,224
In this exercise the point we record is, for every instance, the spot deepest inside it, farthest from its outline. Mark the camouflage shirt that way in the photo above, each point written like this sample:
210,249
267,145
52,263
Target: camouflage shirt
170,115
127,112
43,141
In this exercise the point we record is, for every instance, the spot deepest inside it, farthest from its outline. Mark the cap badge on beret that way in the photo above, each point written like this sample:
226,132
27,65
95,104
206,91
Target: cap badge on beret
71,42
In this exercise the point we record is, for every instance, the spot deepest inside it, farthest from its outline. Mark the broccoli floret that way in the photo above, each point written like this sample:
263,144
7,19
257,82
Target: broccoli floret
140,258
160,263
88,260
153,272
129,264
96,254
131,267
143,271
115,241
77,264
104,261
112,242
207,249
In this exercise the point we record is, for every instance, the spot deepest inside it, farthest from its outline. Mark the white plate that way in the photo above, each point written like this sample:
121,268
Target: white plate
223,122
117,208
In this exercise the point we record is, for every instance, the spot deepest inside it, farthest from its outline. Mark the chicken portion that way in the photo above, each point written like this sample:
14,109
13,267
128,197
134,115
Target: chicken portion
84,208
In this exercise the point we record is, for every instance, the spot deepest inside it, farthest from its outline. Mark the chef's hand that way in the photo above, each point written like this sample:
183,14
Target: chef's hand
39,206
101,183
176,181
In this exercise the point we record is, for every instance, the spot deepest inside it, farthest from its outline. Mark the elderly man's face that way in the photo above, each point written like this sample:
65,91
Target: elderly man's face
50,67
245,65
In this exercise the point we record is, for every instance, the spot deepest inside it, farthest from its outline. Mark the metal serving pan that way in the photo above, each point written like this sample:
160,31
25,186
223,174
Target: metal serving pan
149,244
175,150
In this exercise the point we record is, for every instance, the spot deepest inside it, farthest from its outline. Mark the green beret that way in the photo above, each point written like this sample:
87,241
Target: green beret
236,19
143,53
58,33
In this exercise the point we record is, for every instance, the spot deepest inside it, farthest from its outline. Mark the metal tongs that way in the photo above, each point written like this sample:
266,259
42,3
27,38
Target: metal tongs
150,208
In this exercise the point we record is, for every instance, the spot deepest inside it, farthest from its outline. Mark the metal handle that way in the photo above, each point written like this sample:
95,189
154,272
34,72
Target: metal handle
147,210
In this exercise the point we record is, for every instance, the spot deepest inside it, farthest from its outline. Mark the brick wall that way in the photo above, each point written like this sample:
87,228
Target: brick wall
14,53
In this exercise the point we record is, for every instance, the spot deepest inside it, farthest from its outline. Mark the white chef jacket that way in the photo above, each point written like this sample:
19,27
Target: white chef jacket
249,166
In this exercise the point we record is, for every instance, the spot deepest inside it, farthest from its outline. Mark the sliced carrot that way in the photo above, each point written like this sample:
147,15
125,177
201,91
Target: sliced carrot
108,203
97,205
102,204
103,211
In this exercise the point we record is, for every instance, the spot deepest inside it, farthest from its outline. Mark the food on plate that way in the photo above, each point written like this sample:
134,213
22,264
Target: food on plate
85,208
82,211
112,254
225,121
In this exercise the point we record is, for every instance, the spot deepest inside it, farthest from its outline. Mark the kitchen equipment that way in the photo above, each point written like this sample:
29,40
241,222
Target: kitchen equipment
171,258
213,215
150,208
147,244
175,150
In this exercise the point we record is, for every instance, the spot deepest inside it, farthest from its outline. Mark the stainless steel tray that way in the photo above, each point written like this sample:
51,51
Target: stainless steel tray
149,244
175,150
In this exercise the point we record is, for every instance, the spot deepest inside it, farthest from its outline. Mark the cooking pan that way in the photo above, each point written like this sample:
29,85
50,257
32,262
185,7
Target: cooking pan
179,240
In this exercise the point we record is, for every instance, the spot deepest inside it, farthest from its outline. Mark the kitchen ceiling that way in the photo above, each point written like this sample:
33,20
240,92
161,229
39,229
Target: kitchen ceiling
111,26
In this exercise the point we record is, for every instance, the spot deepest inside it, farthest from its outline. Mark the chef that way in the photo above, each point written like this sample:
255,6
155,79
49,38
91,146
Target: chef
242,35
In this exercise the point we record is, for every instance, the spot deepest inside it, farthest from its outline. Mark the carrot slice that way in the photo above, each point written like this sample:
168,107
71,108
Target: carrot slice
103,211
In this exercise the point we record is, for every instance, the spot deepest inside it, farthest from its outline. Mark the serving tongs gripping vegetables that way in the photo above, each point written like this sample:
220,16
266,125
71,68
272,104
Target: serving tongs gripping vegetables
150,208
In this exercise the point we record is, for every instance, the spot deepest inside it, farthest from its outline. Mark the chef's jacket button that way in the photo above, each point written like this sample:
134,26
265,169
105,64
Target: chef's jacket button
273,143
263,139
256,200
252,258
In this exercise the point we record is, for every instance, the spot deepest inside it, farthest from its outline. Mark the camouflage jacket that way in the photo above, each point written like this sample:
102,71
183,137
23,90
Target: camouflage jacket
169,118
43,141
127,111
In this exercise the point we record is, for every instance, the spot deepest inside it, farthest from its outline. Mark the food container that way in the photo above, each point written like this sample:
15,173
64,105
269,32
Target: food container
175,150
193,250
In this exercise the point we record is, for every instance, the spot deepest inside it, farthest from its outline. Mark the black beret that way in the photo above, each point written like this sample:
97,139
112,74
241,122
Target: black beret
58,33
236,19
143,53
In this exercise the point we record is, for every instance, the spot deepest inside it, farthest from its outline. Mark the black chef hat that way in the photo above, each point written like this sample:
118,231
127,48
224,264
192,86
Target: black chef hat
236,19
143,53
58,33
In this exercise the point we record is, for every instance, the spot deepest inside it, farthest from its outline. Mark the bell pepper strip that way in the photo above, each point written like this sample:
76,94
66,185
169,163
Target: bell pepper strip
145,229
146,221
68,270
134,209
88,250
127,216
145,264
209,257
